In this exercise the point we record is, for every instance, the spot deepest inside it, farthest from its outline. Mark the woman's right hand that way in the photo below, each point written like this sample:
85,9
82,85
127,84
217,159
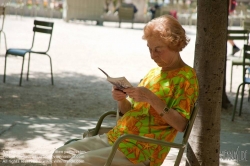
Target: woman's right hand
117,94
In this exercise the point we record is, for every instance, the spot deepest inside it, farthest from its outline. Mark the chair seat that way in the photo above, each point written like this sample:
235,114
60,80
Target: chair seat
22,52
247,80
17,52
239,62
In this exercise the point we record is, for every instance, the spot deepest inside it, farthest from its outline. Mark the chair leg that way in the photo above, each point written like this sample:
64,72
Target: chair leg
236,100
179,156
119,23
231,77
4,76
51,71
27,78
21,76
5,40
242,98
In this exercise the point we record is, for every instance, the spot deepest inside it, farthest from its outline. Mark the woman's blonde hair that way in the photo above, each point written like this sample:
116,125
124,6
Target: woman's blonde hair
167,29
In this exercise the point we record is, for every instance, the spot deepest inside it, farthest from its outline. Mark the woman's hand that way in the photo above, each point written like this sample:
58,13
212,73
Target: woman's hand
139,94
118,95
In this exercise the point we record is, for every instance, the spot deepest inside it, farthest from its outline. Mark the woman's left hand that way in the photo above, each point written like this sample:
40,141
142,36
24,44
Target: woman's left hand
139,94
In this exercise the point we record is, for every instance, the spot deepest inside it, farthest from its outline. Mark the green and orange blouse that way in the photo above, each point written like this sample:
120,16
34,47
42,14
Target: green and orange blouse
179,90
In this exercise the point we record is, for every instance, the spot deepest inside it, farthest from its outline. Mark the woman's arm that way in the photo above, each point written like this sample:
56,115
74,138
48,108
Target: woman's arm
123,104
172,117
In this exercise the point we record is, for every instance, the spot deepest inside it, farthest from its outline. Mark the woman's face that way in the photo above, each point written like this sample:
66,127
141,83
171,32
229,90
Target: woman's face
160,53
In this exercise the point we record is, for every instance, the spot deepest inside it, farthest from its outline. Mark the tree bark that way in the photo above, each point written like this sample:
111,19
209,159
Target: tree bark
210,52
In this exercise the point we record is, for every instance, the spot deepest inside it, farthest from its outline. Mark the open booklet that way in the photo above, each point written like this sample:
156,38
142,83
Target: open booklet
120,82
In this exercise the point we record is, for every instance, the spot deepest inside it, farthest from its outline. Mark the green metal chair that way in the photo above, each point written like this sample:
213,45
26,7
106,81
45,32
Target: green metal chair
39,27
246,79
246,26
242,35
181,146
126,13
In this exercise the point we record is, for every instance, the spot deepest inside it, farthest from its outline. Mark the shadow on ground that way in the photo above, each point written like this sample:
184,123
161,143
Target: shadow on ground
73,95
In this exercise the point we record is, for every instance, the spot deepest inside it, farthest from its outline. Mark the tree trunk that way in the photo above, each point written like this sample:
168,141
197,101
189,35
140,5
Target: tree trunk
225,101
210,52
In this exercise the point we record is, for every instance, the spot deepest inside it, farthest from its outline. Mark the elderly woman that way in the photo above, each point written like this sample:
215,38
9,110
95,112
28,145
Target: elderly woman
158,108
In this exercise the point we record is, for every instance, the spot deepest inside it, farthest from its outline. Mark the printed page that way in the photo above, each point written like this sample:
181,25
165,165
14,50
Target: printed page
120,82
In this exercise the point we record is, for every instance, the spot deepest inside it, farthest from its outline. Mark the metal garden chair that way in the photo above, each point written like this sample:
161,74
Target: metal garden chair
246,26
246,79
39,27
126,12
181,146
242,35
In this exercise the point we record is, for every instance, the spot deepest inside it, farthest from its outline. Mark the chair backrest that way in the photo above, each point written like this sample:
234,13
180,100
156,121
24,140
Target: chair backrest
2,13
190,125
43,27
126,13
238,35
246,58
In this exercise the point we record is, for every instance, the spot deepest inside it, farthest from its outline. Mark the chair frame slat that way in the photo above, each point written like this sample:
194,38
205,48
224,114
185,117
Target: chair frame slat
237,31
42,30
43,23
237,37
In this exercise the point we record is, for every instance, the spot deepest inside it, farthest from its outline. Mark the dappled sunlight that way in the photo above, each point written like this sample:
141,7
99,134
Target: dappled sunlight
228,162
15,96
35,139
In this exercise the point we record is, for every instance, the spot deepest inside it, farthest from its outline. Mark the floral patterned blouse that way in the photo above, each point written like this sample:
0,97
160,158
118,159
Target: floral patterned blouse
179,90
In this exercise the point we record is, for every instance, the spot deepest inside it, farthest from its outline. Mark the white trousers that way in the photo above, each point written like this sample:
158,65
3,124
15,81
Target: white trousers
90,151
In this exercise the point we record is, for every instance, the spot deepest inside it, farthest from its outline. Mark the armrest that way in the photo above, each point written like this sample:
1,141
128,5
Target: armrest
99,123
